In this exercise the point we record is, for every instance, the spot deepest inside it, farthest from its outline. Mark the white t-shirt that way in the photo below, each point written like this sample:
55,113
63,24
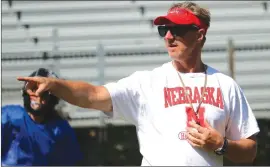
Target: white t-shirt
154,102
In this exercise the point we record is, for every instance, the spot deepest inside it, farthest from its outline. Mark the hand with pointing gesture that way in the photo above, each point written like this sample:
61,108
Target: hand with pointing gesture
37,85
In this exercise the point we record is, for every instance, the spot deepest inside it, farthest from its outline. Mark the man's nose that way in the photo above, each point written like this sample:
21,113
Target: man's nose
168,35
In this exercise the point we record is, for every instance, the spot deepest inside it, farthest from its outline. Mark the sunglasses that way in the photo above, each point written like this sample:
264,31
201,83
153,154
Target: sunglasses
177,30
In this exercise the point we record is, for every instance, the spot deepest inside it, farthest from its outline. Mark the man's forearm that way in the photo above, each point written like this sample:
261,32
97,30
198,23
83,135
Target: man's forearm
241,151
74,92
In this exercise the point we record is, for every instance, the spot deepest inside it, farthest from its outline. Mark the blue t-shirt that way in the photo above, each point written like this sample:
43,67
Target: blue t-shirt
25,142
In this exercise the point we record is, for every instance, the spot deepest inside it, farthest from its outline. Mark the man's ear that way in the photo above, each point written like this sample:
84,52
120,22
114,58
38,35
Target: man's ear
201,33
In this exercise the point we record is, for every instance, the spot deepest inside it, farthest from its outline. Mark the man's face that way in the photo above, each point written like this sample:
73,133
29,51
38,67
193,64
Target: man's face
180,47
37,102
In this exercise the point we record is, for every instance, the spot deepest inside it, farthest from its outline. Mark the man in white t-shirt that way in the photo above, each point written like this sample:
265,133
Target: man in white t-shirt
185,112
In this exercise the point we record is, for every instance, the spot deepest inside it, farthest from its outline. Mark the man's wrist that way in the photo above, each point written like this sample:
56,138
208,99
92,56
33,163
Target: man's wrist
53,84
222,150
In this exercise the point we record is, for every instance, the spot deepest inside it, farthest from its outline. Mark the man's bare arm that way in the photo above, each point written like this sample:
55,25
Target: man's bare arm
78,93
242,151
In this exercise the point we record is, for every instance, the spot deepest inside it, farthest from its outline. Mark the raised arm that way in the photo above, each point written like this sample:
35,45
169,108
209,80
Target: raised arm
78,93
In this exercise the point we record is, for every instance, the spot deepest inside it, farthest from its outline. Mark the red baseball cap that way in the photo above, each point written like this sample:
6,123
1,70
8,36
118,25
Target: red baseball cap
180,16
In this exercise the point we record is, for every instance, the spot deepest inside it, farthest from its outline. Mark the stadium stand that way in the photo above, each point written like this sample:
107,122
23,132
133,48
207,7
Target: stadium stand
103,41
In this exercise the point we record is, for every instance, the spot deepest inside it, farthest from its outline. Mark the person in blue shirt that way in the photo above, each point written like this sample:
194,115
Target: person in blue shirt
36,134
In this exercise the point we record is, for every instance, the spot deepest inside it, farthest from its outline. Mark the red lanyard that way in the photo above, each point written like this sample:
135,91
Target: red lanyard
202,95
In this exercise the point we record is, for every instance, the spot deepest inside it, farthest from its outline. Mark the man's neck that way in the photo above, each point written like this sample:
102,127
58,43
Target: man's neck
192,65
38,119
188,68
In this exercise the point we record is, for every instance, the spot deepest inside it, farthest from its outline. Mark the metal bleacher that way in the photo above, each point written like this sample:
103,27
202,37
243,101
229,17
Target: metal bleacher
122,31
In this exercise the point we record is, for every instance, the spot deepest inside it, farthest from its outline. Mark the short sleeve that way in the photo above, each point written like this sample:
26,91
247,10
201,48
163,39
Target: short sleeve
5,129
66,151
73,151
125,95
9,114
242,122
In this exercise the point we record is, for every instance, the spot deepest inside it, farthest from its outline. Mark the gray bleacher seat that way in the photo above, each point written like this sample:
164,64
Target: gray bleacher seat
121,28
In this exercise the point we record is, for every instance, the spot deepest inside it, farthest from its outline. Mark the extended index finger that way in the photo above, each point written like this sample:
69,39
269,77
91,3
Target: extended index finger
27,79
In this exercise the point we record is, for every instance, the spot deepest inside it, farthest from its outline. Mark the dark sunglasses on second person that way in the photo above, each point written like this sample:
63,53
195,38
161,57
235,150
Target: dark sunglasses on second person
177,30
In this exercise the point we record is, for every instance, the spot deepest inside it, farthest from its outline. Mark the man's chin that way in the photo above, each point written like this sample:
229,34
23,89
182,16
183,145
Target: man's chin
176,56
36,107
